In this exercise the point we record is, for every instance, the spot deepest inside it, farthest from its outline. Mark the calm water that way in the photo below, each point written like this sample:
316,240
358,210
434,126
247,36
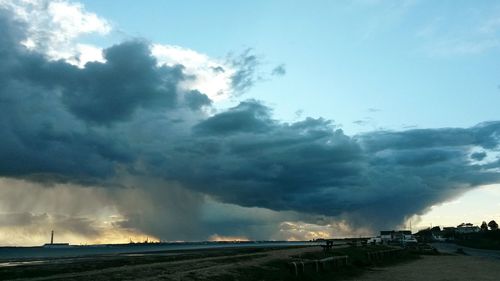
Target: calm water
11,256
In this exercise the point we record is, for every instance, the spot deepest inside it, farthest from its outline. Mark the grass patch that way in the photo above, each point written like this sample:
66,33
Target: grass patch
358,255
278,270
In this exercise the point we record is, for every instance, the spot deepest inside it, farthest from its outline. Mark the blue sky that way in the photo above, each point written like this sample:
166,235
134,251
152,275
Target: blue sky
370,123
418,63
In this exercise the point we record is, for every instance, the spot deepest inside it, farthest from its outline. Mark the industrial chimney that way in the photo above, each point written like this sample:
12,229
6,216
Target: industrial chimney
55,245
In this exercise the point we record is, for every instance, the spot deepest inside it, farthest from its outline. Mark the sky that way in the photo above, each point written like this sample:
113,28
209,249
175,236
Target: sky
282,120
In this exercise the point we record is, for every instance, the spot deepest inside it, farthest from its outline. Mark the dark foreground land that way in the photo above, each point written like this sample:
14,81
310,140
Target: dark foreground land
265,264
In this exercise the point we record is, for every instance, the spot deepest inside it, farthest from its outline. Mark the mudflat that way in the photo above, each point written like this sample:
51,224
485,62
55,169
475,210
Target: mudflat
218,264
250,264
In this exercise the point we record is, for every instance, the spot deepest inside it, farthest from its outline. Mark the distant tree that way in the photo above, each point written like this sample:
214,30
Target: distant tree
468,224
493,225
484,226
460,225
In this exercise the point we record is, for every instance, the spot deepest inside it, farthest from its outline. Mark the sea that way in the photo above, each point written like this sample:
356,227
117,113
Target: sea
13,256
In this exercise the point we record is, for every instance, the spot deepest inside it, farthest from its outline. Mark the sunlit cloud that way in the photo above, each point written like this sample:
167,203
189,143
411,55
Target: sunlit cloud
54,26
219,238
209,76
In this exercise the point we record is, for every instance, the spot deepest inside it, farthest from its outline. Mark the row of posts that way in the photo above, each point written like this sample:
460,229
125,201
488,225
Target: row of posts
299,267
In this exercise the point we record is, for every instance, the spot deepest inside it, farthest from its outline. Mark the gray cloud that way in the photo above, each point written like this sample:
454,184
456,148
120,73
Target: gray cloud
20,219
478,155
100,124
44,223
360,122
373,110
279,70
245,76
218,69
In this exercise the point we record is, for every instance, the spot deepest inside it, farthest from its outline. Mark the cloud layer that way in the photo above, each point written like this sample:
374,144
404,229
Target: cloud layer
107,124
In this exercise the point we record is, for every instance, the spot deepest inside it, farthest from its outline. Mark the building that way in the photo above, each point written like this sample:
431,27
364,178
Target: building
467,228
397,236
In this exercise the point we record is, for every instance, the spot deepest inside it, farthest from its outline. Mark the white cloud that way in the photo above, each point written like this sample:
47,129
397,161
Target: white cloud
54,27
490,26
454,46
73,20
87,53
472,36
394,13
211,77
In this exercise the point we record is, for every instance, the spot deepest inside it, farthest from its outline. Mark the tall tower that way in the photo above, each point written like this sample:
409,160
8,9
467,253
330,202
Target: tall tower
52,237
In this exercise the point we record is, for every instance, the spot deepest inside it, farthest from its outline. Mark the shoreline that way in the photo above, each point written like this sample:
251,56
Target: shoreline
29,253
257,263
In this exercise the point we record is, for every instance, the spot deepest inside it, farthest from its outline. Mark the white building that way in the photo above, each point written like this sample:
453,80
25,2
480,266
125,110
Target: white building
463,229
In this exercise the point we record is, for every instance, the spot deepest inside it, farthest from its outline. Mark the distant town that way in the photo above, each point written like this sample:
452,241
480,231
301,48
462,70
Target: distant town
483,236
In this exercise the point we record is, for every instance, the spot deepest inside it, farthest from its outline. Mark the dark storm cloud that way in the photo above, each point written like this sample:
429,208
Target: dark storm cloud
196,100
100,93
106,92
52,113
310,166
103,93
248,116
93,124
484,134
